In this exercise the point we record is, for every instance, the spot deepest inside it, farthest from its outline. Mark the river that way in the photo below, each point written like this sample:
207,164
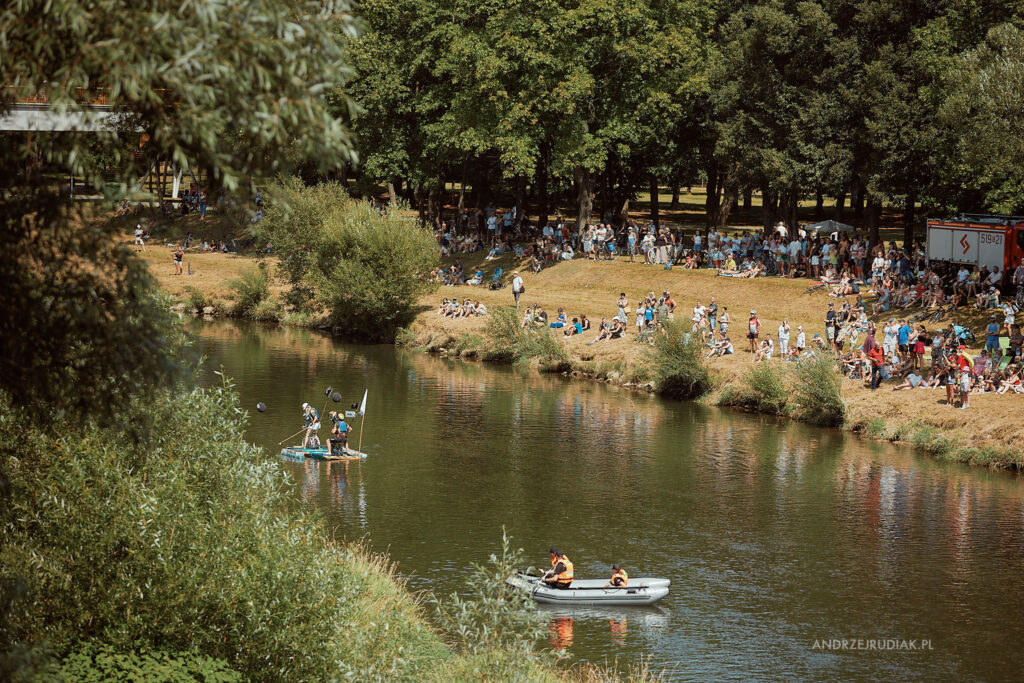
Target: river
781,540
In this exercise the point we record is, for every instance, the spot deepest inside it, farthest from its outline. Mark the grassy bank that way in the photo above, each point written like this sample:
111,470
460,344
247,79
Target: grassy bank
986,434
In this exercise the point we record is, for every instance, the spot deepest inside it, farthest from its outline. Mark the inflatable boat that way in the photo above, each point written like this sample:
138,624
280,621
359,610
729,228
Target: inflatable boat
593,591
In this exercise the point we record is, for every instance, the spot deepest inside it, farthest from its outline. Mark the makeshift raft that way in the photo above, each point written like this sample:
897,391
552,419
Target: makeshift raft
593,591
320,453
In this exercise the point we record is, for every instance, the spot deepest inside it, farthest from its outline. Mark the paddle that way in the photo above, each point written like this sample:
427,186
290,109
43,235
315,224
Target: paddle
291,437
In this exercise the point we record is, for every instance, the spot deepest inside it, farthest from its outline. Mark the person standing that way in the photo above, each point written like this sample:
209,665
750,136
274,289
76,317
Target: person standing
830,325
622,314
311,421
784,338
753,331
723,322
517,287
712,315
631,244
179,254
139,241
801,339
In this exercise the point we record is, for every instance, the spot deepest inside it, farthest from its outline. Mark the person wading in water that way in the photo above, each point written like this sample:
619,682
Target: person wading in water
312,423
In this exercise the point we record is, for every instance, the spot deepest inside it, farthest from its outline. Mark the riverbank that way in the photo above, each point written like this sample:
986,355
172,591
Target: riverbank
987,434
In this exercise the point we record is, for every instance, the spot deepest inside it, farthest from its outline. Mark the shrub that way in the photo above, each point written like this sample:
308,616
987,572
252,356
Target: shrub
817,391
469,344
768,393
251,289
875,428
196,299
509,342
268,310
193,540
680,370
92,663
495,617
338,255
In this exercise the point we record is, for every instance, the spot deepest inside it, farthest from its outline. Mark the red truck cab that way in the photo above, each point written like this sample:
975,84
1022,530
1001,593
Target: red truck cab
978,240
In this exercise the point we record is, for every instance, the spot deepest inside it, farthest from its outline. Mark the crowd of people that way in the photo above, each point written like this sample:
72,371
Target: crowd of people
902,351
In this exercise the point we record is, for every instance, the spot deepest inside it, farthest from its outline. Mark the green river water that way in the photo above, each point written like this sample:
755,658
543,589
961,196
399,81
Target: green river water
780,539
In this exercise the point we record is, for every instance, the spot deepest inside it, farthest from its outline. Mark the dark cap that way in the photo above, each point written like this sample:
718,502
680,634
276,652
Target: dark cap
556,552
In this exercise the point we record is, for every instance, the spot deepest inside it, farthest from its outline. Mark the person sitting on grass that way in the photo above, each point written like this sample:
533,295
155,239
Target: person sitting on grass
767,348
721,348
604,331
480,308
574,328
584,322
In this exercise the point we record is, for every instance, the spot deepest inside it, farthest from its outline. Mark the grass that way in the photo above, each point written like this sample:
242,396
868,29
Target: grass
590,288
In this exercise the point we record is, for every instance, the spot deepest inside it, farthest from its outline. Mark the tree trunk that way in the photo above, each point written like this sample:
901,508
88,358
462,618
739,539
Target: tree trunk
674,206
908,220
584,179
857,200
767,212
391,192
819,204
748,198
733,191
873,218
542,191
711,198
655,213
840,203
623,215
520,198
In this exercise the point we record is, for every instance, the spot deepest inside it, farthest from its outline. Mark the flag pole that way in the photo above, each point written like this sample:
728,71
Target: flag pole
362,419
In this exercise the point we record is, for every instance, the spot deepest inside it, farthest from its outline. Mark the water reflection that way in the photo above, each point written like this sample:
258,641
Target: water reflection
774,534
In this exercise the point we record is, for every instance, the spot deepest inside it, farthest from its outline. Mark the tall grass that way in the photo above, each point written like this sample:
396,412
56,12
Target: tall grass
680,370
509,342
817,391
251,288
766,389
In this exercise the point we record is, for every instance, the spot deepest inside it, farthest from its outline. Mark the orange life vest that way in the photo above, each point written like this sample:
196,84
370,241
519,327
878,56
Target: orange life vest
620,574
566,576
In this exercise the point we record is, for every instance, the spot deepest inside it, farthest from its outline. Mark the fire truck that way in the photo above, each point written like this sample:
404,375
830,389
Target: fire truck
978,240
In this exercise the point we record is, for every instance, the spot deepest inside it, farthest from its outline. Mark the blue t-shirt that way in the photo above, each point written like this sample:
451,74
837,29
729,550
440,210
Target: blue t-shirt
904,335
993,332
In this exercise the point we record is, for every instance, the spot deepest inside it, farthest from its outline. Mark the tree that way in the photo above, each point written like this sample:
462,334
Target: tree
222,90
984,106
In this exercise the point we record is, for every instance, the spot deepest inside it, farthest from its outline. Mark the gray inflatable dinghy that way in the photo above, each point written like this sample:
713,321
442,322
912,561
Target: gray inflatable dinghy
593,591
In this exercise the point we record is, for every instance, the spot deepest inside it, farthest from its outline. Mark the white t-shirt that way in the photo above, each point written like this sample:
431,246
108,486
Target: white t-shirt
783,333
517,283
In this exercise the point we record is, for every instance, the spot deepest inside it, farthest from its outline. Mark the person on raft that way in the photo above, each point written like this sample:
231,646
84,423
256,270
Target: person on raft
311,421
619,577
560,574
339,432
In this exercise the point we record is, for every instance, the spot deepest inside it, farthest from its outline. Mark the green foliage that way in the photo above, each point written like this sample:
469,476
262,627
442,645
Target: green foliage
496,617
985,102
818,391
268,310
251,289
193,541
88,662
876,428
197,301
469,344
509,342
680,370
365,271
767,392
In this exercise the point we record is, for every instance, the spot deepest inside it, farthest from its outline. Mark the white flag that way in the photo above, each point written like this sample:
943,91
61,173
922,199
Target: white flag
362,406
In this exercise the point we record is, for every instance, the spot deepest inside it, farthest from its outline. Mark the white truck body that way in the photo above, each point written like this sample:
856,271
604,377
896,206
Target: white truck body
975,245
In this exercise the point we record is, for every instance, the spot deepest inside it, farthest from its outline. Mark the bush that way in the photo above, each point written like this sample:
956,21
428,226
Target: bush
268,310
469,344
91,663
817,391
509,342
680,370
495,617
767,391
197,301
251,289
193,540
339,256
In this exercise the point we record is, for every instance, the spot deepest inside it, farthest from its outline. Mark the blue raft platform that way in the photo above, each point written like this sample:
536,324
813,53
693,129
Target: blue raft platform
320,453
